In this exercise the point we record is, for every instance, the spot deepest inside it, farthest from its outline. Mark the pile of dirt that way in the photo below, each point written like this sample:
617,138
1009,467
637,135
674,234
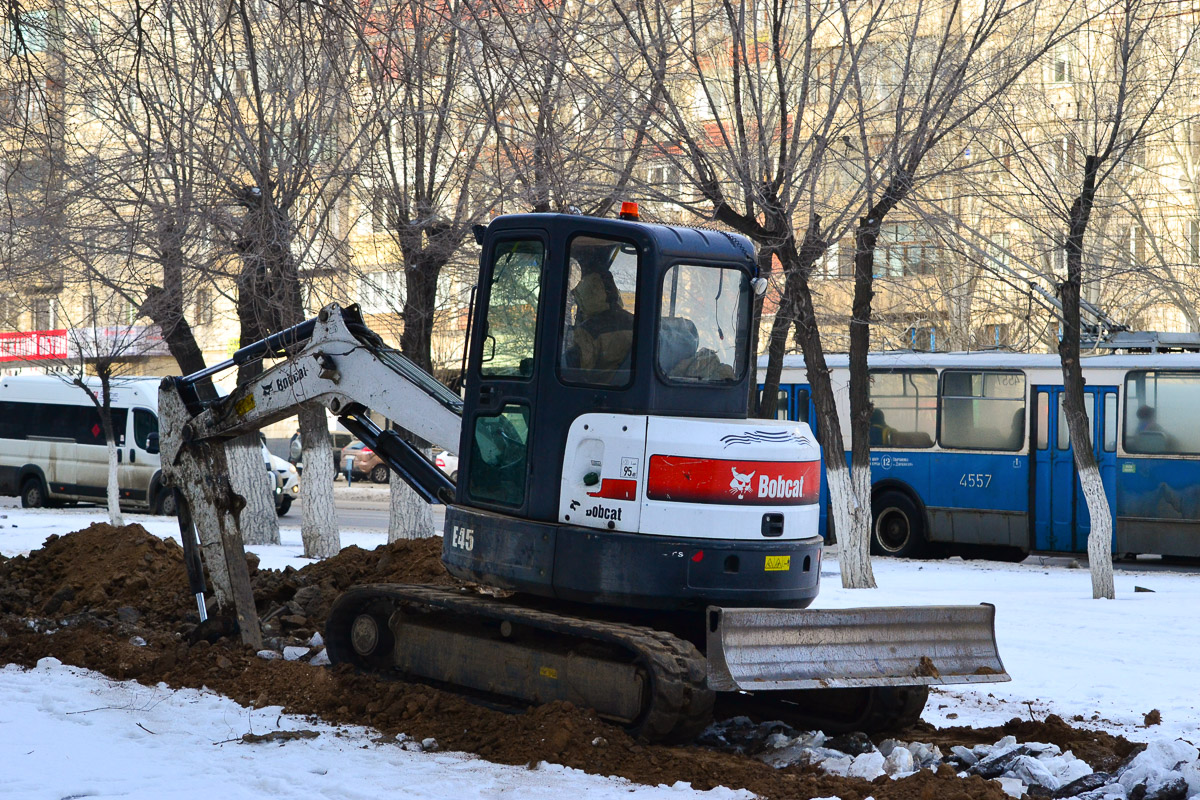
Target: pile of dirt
103,570
293,601
116,600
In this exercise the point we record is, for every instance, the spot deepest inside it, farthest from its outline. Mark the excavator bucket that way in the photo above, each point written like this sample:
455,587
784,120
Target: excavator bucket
770,648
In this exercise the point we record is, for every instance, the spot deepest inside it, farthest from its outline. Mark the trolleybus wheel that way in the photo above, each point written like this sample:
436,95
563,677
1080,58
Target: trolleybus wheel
899,526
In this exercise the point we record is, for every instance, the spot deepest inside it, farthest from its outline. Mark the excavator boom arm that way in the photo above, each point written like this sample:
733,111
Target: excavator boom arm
335,360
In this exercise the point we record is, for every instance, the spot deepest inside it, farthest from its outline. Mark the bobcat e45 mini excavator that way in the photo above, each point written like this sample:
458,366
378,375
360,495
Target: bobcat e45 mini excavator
659,548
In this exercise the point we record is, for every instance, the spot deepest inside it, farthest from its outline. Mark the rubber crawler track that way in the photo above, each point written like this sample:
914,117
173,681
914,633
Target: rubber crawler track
679,703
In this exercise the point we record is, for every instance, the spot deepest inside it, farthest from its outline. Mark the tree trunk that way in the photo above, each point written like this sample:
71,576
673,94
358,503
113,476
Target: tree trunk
420,300
856,547
845,511
103,403
114,486
251,479
318,526
1100,536
248,473
202,474
410,516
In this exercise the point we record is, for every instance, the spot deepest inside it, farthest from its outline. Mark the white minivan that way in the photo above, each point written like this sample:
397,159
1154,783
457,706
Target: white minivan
53,449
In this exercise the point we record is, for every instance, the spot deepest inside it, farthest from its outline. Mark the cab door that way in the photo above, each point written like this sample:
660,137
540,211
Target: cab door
498,413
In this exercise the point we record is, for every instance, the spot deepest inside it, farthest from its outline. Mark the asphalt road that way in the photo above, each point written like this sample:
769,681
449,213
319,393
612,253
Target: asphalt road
364,510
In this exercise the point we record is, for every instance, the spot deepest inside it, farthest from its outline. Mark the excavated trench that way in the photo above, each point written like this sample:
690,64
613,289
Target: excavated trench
117,602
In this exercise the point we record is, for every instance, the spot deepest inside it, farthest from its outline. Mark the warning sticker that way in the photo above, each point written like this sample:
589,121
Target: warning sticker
245,405
778,564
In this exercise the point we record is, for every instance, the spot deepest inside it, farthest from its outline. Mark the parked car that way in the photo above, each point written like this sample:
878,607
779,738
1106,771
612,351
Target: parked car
296,451
364,463
287,480
447,463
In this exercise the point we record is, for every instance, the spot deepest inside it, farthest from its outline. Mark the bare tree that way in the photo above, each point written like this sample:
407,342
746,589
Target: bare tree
1115,77
290,127
107,350
427,179
754,117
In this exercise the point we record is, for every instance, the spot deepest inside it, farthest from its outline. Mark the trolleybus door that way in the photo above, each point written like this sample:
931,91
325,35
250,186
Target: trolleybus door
1061,519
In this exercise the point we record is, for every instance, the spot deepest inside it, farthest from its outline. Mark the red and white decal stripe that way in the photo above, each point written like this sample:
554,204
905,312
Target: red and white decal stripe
616,489
682,479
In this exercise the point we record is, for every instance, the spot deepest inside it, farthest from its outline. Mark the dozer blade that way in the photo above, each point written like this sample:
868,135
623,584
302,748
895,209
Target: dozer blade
772,648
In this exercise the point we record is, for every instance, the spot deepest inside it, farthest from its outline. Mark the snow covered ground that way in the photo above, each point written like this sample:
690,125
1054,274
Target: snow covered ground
67,732
1109,661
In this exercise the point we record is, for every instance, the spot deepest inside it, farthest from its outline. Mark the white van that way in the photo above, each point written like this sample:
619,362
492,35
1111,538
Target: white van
53,449
52,445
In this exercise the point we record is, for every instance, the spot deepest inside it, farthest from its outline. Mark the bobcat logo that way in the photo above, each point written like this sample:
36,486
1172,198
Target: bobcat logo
740,484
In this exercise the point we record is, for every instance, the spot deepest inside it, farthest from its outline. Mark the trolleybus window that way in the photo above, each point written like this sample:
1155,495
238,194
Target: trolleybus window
904,412
1110,422
1160,410
1064,434
1043,420
983,410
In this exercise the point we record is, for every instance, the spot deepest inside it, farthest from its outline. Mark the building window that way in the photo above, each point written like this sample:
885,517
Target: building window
382,292
1135,244
1060,64
1194,241
827,265
664,179
42,309
384,213
903,249
204,307
1059,258
922,338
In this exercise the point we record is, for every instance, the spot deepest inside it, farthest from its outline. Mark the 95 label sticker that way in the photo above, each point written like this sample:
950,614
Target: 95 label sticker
778,564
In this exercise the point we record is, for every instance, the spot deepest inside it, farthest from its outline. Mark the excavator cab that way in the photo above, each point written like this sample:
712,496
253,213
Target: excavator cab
581,315
607,360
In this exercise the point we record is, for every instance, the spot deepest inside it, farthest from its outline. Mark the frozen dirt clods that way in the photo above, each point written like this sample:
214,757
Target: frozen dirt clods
1165,770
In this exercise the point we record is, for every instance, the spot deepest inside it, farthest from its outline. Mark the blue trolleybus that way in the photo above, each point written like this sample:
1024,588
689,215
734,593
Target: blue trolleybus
973,449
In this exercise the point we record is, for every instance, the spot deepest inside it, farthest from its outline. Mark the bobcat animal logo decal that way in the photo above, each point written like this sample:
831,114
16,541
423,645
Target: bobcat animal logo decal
740,485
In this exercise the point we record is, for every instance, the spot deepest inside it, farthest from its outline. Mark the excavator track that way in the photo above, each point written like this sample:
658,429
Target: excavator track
651,682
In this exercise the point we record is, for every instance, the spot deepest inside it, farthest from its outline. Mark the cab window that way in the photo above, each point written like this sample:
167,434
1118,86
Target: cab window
512,309
499,456
600,312
703,324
